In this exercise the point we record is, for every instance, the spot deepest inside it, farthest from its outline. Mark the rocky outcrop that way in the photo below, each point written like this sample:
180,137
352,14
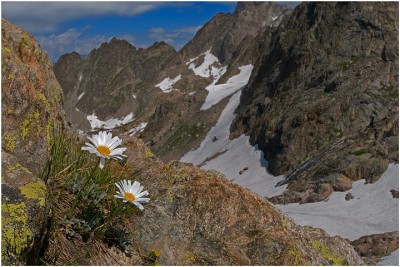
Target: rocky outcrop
322,100
67,72
31,114
96,78
197,217
224,34
374,247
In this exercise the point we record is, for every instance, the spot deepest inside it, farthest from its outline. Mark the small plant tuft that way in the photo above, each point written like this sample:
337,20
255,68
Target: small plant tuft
82,194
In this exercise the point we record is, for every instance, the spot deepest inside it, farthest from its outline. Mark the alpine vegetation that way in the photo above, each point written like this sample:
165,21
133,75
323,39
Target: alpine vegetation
82,195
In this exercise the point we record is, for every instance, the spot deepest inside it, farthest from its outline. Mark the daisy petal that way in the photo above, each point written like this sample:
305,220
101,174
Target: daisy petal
119,188
138,205
143,199
134,187
144,193
114,143
118,151
94,141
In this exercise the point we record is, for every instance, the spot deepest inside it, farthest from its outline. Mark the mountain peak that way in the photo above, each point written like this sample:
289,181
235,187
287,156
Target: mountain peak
115,42
159,44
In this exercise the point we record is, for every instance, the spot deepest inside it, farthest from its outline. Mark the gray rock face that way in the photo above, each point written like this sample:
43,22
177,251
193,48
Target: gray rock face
225,33
94,79
323,96
68,64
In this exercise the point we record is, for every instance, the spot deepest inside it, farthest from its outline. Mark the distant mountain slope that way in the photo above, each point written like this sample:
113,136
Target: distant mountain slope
225,32
119,86
322,102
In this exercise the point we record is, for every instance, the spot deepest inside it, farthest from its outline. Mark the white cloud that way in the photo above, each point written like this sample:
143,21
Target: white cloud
130,38
46,16
72,40
192,29
174,37
69,41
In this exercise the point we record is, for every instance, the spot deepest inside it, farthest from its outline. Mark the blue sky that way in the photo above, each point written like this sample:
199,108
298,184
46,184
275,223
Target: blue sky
65,26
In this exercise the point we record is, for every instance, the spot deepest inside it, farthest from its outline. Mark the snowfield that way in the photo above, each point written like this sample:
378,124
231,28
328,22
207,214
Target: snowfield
108,124
217,92
236,159
373,209
166,84
391,260
206,69
137,129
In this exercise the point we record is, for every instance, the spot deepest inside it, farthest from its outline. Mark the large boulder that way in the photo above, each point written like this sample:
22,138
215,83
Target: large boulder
31,113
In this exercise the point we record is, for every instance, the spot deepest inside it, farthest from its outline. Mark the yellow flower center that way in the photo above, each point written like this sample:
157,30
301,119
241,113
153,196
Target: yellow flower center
104,150
129,197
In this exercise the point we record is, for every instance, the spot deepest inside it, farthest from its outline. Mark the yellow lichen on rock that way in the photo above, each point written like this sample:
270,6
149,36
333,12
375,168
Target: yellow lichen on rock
35,190
16,233
49,133
327,253
18,166
10,145
43,98
32,118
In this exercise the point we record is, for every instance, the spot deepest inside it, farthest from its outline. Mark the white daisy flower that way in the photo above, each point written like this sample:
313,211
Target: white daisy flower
104,146
132,193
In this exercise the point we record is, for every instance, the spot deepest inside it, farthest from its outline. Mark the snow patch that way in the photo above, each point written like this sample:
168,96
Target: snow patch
373,209
166,84
391,260
217,92
192,59
137,129
240,162
205,69
81,95
108,124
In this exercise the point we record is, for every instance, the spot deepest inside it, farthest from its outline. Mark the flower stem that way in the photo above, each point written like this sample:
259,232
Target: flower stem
87,181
